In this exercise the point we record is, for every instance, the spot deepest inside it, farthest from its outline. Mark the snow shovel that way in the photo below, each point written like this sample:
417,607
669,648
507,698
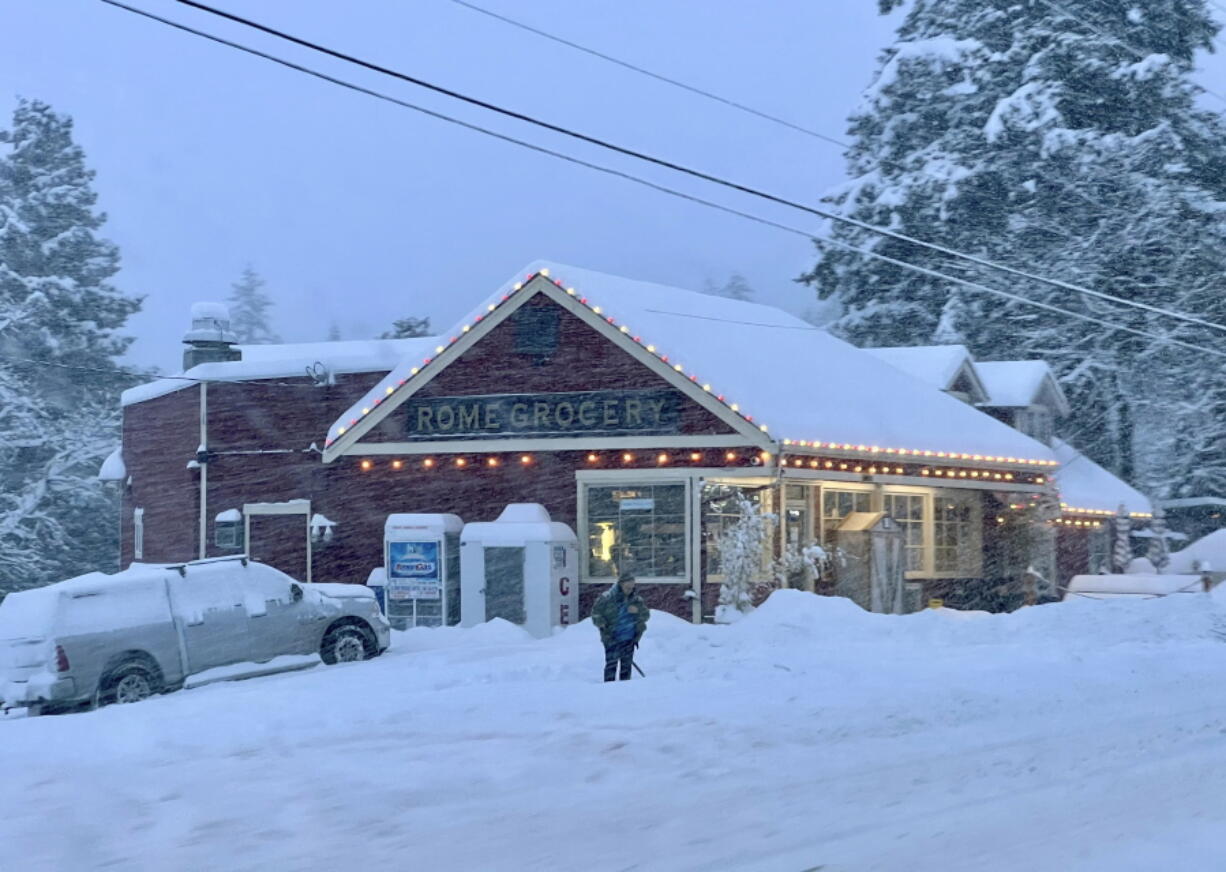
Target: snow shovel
636,669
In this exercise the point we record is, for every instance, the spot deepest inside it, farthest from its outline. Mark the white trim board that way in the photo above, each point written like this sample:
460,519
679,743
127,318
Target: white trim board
570,443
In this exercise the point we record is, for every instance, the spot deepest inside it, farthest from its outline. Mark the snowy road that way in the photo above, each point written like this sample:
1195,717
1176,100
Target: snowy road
1088,736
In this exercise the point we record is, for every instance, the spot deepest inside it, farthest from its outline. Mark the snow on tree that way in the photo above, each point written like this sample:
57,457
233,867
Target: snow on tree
743,558
736,288
1062,139
408,328
249,310
1159,553
334,332
1121,549
59,340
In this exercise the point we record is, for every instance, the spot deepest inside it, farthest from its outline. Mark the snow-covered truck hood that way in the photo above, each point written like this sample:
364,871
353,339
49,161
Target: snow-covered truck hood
342,591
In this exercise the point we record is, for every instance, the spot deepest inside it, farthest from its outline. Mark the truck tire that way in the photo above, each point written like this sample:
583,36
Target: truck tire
347,643
132,681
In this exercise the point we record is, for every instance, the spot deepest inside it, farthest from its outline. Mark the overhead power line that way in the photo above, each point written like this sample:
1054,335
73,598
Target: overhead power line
653,185
680,168
643,71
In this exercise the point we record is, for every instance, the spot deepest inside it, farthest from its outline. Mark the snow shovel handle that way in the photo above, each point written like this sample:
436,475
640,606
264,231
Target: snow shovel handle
636,669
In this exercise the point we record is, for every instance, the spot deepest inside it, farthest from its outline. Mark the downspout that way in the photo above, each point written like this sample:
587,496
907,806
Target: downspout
203,458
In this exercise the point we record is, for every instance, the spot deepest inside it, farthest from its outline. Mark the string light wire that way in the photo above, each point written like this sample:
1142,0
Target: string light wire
638,155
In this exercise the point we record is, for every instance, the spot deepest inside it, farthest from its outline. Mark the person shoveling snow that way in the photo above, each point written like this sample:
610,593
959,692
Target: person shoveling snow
621,616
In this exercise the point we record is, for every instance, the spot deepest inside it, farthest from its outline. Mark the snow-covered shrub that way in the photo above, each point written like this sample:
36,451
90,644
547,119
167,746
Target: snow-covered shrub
749,576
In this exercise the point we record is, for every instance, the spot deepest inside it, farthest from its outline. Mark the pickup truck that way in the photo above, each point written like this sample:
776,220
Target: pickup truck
99,639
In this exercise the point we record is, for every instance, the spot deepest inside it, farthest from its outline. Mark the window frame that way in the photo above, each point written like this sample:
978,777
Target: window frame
138,533
585,485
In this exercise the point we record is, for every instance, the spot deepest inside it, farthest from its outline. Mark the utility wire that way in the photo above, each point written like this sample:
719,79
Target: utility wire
698,174
643,71
659,187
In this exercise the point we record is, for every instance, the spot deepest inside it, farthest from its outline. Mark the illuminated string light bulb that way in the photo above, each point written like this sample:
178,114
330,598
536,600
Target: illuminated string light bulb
491,461
397,464
730,455
366,464
390,390
428,463
460,461
525,459
592,458
627,457
661,458
695,456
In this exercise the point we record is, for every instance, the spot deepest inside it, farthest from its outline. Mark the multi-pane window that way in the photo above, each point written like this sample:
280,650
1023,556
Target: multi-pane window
837,505
908,511
638,529
720,510
955,521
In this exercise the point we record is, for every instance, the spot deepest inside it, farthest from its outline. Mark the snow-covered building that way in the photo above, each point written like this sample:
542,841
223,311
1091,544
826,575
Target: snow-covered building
1026,395
627,409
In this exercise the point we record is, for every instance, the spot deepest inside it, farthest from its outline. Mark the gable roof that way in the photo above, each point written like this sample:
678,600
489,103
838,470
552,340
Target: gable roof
1020,383
939,365
290,360
1086,486
770,369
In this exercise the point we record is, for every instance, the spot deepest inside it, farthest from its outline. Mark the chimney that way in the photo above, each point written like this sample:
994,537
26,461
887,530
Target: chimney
210,340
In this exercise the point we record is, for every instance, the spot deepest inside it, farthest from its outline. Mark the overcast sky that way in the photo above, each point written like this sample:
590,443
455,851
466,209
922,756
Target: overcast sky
358,212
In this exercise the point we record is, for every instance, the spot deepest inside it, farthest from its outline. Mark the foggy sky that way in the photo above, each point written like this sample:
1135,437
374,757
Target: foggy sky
358,212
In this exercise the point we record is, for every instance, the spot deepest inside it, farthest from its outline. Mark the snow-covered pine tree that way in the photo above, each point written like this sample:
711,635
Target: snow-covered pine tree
743,560
736,288
59,340
249,310
1061,138
408,328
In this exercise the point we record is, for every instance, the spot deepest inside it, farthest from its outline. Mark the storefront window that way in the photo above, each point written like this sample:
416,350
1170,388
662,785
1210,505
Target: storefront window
720,511
956,539
908,511
837,505
637,529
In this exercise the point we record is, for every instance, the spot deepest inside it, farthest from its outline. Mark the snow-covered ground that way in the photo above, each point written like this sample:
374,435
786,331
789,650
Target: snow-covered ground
1079,736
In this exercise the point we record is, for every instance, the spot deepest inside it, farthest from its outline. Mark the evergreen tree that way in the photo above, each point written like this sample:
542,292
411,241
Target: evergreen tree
59,340
408,328
249,310
1061,139
736,288
334,332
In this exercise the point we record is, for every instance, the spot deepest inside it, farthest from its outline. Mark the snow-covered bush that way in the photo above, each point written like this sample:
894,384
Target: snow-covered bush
749,576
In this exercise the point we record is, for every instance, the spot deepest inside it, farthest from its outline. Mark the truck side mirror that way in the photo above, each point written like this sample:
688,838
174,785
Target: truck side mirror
296,592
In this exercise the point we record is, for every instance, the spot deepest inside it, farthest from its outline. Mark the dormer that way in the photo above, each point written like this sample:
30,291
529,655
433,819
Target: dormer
948,367
1025,395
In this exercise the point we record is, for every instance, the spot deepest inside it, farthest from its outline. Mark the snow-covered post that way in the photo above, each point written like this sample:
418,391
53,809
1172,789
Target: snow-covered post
742,554
1121,554
1159,549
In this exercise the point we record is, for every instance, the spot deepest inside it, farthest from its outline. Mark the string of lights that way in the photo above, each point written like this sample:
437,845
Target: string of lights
680,168
649,184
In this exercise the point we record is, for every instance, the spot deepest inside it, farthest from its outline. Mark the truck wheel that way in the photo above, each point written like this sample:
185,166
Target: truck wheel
347,644
131,682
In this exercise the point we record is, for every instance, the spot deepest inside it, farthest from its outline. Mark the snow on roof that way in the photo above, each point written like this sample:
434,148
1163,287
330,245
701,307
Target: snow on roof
767,365
1206,553
113,468
938,365
1083,484
288,361
1018,382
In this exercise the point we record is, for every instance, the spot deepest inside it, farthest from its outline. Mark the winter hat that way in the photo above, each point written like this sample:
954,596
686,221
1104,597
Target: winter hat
626,576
